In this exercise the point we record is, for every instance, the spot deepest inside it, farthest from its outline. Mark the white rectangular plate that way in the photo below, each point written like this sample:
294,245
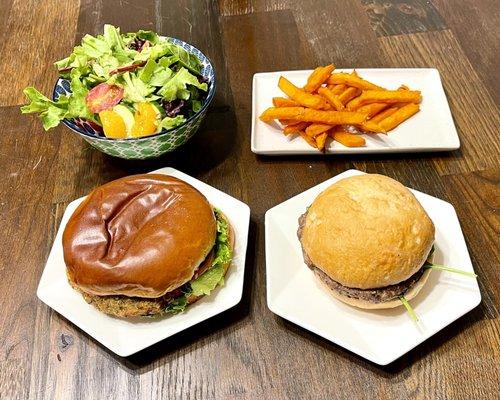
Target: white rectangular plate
127,336
380,336
431,129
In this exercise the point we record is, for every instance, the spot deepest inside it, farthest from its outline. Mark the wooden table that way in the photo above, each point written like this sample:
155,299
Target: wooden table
247,352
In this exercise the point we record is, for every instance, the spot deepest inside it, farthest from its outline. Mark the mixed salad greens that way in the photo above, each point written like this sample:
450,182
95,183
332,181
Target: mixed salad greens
125,85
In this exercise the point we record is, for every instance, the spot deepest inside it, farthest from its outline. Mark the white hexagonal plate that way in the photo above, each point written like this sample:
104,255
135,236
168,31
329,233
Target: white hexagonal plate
125,337
380,336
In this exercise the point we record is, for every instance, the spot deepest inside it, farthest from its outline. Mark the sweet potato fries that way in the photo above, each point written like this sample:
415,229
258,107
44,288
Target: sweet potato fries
335,105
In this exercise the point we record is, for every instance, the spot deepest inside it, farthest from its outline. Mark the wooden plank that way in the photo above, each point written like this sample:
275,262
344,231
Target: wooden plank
476,116
337,32
5,11
235,7
29,62
475,25
13,379
475,197
27,156
402,17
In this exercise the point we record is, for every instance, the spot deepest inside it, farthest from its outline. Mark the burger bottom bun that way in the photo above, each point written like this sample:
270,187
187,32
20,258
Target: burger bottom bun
410,294
127,307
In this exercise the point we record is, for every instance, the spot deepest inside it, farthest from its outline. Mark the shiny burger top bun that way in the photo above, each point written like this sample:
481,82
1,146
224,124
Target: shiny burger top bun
142,235
367,231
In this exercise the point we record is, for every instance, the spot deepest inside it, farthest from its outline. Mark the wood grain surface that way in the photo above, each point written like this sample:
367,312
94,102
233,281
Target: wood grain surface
247,352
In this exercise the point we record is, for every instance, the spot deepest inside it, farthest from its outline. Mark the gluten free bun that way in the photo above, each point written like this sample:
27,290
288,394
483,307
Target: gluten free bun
367,232
142,235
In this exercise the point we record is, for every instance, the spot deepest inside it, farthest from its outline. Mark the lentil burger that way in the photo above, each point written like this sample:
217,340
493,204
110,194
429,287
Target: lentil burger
146,245
366,238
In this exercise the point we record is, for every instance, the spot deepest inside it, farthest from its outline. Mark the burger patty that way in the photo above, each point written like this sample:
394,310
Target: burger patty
378,295
125,306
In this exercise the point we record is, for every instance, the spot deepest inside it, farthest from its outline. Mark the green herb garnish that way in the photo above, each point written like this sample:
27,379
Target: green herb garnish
409,308
429,265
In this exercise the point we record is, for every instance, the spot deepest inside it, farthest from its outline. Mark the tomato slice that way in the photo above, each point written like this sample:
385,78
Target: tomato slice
103,97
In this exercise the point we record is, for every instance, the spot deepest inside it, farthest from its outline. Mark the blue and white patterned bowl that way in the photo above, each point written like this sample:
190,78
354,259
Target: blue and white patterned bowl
149,146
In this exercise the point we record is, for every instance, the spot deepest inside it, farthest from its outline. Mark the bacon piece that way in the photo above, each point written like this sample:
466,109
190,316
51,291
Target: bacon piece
126,68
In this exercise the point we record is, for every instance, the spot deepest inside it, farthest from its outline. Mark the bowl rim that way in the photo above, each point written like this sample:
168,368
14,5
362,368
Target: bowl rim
208,100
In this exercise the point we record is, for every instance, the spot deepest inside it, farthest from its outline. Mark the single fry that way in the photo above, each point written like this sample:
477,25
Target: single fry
373,127
321,141
309,115
384,114
337,89
331,98
301,97
287,121
318,77
348,139
349,94
310,141
295,128
352,80
399,116
371,109
283,102
386,96
314,130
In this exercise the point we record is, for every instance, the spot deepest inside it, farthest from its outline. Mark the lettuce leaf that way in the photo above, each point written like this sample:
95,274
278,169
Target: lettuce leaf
113,38
208,281
177,305
196,105
169,123
152,52
176,87
167,61
50,112
214,276
77,106
147,71
188,60
136,91
95,47
148,35
160,76
77,59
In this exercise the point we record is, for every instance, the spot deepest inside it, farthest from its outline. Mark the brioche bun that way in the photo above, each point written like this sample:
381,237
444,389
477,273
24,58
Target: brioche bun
139,236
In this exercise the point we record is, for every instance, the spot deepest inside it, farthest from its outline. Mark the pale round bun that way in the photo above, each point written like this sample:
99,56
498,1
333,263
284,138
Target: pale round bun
410,294
142,235
367,232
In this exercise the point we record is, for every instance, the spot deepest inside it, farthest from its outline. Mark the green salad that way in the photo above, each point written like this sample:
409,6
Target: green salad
125,85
